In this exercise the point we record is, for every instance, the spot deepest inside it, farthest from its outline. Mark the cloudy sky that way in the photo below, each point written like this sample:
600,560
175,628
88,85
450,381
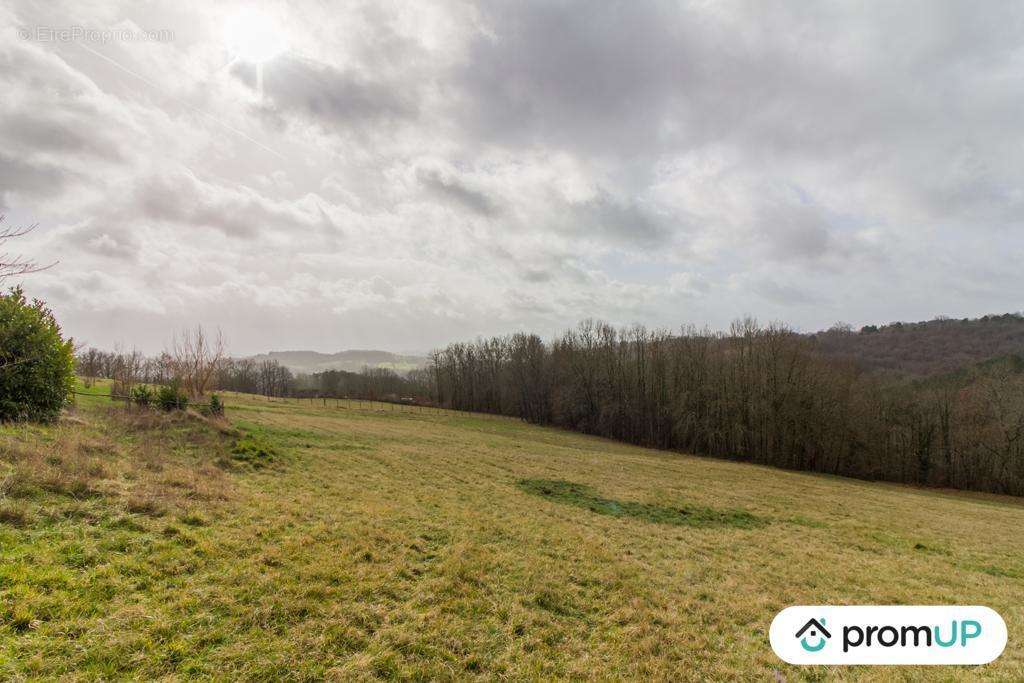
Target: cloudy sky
399,175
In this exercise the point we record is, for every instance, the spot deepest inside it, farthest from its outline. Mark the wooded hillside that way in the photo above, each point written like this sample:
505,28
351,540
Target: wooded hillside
926,348
760,394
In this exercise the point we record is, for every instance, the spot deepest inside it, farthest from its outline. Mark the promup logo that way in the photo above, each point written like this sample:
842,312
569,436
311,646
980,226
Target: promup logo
888,635
817,629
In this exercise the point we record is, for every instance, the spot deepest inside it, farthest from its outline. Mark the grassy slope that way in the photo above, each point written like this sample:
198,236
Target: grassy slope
400,544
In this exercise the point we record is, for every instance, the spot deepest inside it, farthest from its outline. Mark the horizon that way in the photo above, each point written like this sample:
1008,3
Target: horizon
857,329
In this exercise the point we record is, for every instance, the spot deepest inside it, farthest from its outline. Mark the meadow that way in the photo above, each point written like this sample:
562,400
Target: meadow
300,540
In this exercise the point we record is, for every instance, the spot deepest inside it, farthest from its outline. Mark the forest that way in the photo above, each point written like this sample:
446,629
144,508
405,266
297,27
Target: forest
761,394
927,347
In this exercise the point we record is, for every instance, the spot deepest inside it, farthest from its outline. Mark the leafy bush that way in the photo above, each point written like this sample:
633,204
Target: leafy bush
170,397
37,369
142,395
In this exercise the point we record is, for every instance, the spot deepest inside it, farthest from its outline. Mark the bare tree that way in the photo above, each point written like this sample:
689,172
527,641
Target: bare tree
196,359
127,370
10,264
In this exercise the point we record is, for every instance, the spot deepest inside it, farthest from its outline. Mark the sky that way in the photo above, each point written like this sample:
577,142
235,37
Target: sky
396,175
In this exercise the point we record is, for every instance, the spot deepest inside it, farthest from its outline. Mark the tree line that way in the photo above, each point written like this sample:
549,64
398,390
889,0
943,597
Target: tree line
202,369
761,394
192,364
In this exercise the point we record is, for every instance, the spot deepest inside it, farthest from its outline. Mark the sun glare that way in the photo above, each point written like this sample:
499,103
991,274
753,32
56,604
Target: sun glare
254,36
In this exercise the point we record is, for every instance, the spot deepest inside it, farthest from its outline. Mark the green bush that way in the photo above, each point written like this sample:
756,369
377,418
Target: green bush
170,397
216,405
37,367
142,395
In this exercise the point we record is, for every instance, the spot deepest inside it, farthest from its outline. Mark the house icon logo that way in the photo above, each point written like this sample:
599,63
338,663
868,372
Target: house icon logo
817,633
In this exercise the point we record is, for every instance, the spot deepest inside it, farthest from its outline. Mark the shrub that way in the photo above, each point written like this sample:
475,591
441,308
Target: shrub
170,397
37,370
142,395
216,405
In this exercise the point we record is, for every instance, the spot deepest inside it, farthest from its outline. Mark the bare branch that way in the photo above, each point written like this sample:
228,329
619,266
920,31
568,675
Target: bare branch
13,265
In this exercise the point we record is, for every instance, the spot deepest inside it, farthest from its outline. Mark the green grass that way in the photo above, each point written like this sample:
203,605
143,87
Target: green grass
409,544
253,449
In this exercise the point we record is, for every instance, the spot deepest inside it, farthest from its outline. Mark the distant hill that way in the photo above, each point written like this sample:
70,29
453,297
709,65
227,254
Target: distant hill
927,348
352,361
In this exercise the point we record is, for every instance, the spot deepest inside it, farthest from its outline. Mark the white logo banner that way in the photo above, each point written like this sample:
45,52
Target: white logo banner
862,634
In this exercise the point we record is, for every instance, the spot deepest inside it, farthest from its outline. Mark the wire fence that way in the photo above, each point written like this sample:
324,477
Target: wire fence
113,397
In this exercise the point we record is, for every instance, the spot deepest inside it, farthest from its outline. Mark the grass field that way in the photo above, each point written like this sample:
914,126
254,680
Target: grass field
298,541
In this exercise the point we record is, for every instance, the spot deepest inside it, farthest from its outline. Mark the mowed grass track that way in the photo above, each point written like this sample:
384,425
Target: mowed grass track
406,545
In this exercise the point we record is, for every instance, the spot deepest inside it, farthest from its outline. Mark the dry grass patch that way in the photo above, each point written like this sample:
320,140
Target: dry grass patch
143,460
14,516
69,463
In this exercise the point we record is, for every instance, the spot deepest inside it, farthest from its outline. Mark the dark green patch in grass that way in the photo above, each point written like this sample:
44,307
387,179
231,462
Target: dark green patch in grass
252,449
580,495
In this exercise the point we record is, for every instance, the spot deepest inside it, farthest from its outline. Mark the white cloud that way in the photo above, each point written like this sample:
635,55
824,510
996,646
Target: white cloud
419,173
